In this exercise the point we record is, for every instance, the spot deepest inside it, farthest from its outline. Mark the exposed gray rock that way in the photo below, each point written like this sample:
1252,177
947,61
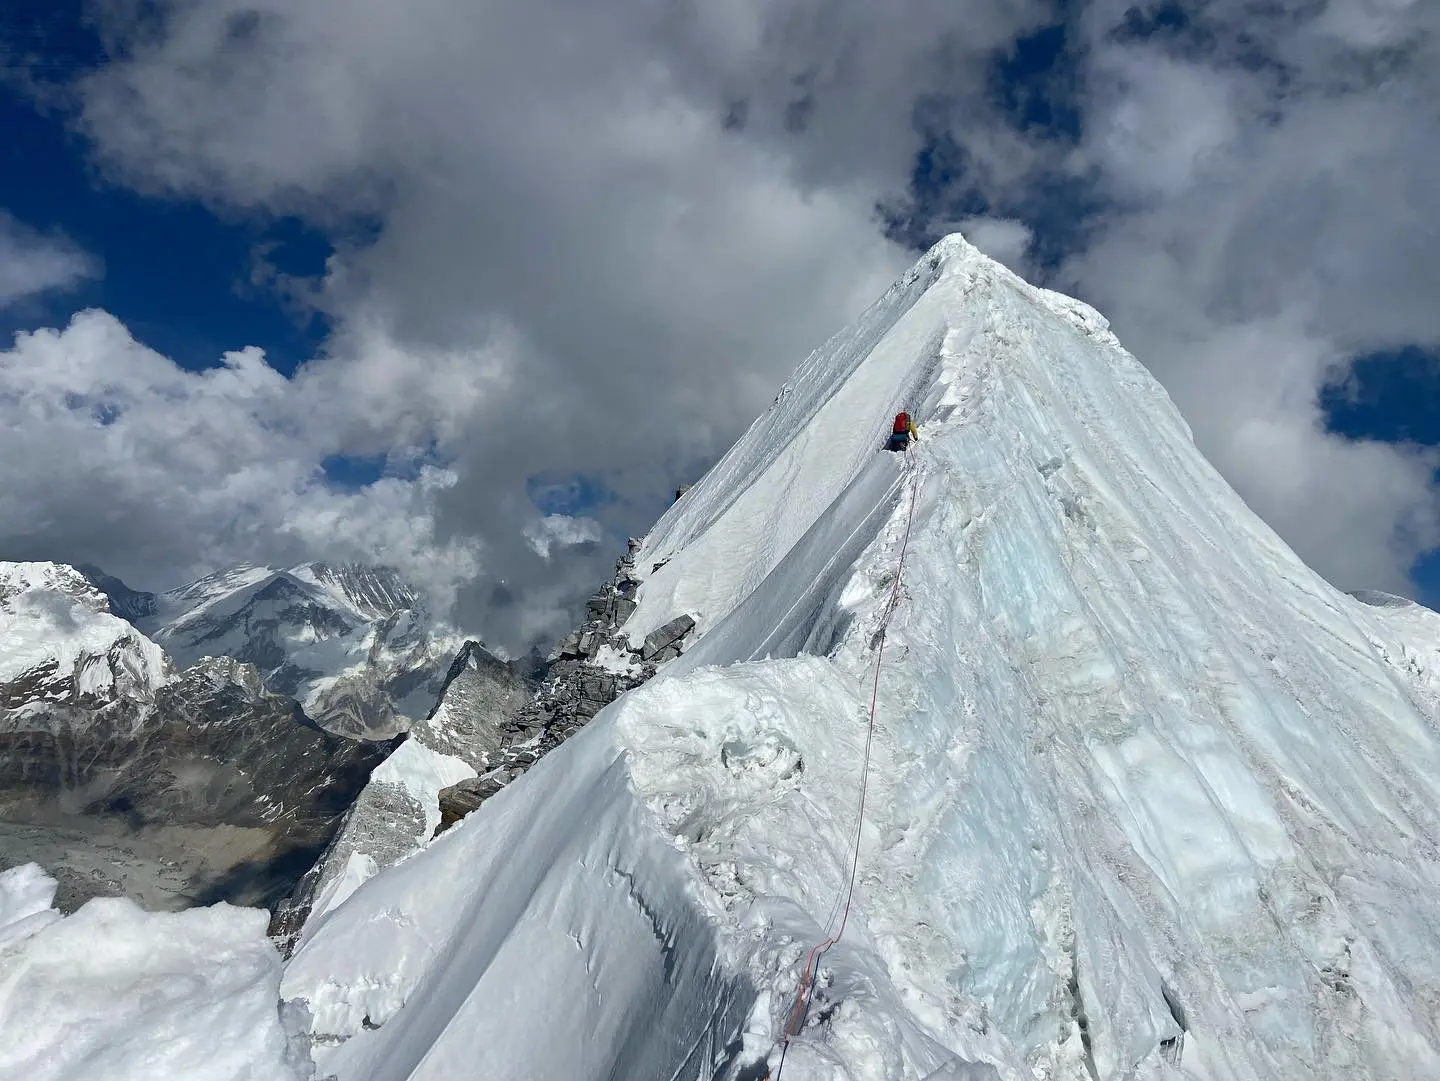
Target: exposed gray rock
459,800
471,720
668,635
499,729
128,604
597,690
403,820
569,646
480,695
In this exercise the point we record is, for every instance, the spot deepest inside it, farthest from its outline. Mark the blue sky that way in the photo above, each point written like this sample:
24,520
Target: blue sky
177,274
1073,148
1393,396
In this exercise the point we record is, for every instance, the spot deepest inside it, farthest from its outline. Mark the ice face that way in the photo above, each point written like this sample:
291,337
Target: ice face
1148,799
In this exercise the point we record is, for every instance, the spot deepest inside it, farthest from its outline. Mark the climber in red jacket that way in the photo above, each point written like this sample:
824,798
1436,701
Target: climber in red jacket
902,433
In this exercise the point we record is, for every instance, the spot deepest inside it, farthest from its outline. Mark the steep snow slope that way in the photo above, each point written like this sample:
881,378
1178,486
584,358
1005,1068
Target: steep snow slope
1148,798
399,809
353,643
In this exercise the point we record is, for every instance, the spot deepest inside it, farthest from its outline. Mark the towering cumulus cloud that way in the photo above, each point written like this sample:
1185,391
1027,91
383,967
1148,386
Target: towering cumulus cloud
192,470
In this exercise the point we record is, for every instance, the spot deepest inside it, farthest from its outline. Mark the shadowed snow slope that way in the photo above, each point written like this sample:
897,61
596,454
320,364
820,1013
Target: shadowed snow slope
1149,799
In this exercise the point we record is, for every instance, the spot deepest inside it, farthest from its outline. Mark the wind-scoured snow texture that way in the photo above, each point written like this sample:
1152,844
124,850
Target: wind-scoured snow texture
1148,798
1407,635
353,643
114,993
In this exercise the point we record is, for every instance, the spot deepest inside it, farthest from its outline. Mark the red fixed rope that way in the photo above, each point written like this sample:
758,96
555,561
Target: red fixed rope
807,978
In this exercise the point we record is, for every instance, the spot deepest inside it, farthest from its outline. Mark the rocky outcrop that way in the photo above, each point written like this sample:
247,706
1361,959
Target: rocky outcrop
480,693
129,604
489,727
461,798
201,778
401,808
663,643
591,667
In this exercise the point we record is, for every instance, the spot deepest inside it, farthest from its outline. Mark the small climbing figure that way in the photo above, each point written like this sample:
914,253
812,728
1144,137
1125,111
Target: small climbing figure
902,433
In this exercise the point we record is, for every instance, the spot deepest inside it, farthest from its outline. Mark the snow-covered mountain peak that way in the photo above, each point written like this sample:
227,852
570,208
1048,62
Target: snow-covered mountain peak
372,592
59,640
913,350
1147,798
129,776
355,644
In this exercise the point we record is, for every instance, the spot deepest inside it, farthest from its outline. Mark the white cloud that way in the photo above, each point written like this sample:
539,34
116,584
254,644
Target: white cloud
110,453
1160,122
1273,216
32,263
1003,239
602,233
561,531
556,189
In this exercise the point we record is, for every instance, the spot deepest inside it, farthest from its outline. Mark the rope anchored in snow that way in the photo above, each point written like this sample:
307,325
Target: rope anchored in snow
796,1020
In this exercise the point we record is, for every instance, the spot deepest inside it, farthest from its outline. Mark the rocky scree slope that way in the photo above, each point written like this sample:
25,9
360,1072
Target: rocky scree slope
127,776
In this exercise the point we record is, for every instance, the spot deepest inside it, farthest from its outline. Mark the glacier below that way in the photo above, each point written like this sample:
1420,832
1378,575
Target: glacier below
1146,798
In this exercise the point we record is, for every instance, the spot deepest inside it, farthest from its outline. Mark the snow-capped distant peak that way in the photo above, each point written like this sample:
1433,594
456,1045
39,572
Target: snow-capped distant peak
195,600
372,592
59,638
353,643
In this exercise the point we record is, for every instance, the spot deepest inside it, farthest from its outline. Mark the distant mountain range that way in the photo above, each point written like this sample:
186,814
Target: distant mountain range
267,737
354,644
203,743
